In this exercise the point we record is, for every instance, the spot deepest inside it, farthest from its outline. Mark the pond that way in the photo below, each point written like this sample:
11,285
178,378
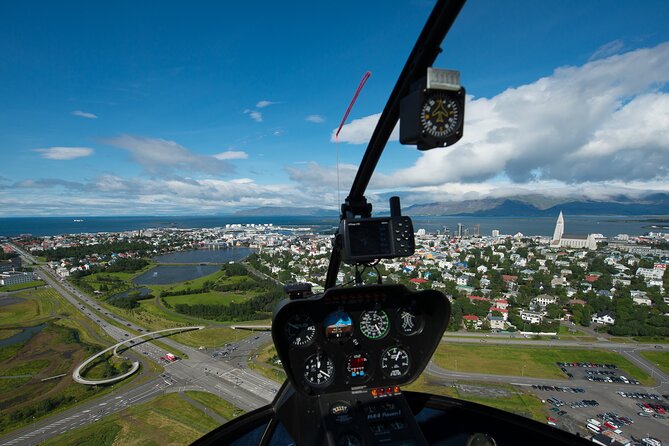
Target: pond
143,291
224,255
167,274
22,336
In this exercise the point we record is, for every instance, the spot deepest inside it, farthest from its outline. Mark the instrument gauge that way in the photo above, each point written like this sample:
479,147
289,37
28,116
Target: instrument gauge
395,362
338,325
408,322
357,367
374,324
300,330
440,115
319,370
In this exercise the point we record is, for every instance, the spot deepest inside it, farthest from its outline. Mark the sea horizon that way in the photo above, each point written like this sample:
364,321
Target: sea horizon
607,225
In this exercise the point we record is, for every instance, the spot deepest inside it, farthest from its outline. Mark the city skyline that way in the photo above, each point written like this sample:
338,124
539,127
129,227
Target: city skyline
208,110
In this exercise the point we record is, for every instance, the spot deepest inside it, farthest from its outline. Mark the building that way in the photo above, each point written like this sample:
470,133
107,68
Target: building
562,240
531,316
13,278
604,317
544,299
496,322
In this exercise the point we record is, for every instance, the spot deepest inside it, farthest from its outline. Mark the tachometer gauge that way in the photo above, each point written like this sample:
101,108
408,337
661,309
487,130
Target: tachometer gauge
374,324
300,330
395,362
319,370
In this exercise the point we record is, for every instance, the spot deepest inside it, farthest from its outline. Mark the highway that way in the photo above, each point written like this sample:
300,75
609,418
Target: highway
230,380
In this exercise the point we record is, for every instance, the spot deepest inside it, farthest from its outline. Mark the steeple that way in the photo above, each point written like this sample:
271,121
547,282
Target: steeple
559,228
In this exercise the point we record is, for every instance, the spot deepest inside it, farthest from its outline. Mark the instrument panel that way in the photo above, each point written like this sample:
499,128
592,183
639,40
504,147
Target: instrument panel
359,337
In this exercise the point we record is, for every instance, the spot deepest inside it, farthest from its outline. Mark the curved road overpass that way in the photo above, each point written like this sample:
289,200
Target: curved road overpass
76,374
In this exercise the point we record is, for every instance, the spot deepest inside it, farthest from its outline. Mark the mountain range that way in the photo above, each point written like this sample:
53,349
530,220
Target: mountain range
519,206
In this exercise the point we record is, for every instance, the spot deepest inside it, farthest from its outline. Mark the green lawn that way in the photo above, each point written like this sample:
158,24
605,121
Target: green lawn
513,400
211,337
660,359
220,406
537,362
211,298
165,420
21,286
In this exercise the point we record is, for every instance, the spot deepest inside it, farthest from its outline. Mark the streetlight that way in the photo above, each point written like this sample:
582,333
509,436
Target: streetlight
522,371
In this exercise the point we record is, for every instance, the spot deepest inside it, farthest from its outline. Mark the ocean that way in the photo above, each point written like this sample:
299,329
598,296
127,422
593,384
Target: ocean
607,225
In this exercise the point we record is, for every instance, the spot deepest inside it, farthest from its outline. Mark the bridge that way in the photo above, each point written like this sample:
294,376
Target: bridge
76,374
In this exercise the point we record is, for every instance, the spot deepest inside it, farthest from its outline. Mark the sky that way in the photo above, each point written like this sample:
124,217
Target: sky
167,108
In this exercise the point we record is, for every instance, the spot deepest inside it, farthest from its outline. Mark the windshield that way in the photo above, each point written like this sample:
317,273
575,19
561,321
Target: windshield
169,169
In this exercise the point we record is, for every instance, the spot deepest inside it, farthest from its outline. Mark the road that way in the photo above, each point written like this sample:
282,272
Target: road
230,380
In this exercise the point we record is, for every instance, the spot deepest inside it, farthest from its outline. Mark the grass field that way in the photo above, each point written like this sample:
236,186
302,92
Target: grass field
220,406
264,365
500,396
21,314
211,298
660,359
211,337
66,341
537,362
21,286
166,420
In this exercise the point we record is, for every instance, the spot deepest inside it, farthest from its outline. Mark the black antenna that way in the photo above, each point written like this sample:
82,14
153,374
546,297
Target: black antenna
423,55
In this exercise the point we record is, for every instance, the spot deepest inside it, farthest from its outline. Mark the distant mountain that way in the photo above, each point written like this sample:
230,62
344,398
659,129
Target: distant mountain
521,206
655,204
269,211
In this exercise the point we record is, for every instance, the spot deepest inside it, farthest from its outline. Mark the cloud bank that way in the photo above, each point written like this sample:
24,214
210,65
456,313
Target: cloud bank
64,153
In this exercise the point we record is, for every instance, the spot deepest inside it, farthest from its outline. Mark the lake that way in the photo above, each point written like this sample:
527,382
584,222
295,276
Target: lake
224,255
143,291
22,336
167,274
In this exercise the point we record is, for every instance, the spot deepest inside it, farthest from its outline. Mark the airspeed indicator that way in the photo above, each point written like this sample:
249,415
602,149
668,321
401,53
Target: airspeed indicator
374,324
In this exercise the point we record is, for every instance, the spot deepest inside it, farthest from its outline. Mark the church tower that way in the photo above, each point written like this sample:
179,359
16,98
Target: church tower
559,229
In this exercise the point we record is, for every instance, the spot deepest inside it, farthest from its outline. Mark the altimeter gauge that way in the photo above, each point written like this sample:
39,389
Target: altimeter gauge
319,370
300,330
395,362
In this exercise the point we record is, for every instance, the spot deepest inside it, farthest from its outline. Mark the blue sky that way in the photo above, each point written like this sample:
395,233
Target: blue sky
147,108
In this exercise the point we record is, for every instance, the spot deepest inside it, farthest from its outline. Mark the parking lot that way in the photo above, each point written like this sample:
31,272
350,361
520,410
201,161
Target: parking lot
603,392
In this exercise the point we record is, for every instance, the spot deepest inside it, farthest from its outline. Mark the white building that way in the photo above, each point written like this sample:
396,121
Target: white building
604,317
531,316
562,240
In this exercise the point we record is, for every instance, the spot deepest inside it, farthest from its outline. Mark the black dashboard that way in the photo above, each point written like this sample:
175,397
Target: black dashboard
358,338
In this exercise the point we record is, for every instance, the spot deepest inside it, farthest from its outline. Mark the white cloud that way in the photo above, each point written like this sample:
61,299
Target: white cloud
607,49
161,156
359,131
254,114
315,118
84,114
64,153
603,121
263,104
231,155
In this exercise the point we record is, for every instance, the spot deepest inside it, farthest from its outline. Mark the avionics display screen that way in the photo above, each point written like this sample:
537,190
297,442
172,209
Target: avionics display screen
369,238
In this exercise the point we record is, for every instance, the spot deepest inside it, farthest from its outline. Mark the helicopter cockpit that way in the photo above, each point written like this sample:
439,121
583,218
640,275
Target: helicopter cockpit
347,352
